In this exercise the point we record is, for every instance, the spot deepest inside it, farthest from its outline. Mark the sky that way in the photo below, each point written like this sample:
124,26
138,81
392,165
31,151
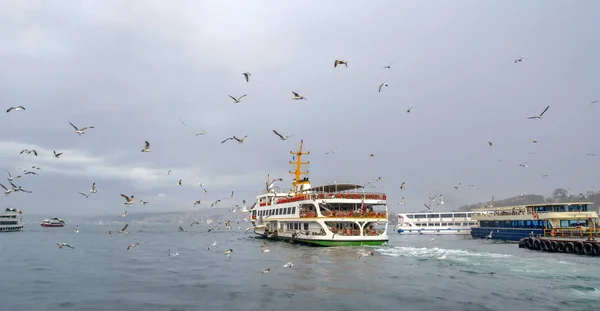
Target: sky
136,69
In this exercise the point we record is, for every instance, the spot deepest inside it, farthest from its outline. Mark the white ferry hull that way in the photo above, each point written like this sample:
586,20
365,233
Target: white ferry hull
434,231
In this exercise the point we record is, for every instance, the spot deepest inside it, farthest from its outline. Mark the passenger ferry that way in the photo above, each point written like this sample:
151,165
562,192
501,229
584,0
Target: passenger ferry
516,222
53,222
11,220
454,223
336,214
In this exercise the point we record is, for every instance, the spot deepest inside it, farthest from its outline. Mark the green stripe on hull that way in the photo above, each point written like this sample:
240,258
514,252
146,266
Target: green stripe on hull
344,243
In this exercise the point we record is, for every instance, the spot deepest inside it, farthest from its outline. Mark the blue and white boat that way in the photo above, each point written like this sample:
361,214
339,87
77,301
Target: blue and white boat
448,223
515,222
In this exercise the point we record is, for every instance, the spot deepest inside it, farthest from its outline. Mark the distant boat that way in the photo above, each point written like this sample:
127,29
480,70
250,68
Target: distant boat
11,220
448,223
53,222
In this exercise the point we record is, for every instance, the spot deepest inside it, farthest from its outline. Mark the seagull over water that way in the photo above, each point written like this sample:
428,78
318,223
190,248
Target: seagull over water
60,245
288,265
83,194
237,100
541,114
228,253
382,85
247,76
128,200
281,136
146,147
518,60
15,109
340,62
80,131
298,96
132,245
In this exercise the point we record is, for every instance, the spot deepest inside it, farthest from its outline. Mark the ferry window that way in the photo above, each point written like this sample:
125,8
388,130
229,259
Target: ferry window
409,216
444,224
433,216
462,215
305,226
559,208
584,208
289,210
437,224
450,224
293,210
420,216
446,216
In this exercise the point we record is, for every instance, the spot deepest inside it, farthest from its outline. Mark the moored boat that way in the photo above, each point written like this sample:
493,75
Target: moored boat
11,220
53,222
442,223
336,214
516,222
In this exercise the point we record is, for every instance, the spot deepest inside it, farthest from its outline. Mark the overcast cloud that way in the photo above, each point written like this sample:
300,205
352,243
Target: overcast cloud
133,69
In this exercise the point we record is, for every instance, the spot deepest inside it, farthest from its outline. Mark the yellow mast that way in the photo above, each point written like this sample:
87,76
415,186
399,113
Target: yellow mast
298,172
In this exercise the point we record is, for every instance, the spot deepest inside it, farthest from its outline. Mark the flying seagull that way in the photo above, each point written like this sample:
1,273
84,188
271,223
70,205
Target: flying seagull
340,62
382,85
281,136
239,140
490,144
6,190
85,195
237,100
247,76
179,183
146,147
11,177
15,108
29,151
143,202
128,200
201,133
132,245
124,230
518,60
409,109
388,66
593,102
298,96
56,155
80,131
93,188
541,114
60,245
196,203
402,185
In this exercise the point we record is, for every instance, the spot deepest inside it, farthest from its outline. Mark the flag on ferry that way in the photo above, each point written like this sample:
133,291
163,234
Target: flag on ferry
362,205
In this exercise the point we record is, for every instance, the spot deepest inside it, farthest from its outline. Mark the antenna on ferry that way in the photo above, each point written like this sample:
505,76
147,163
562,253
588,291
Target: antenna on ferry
298,172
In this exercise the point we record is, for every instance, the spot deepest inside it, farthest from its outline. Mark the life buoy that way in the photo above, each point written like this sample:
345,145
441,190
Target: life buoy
553,232
453,219
535,216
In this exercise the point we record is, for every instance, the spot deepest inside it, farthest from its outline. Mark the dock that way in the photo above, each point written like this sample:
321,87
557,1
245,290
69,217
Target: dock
580,241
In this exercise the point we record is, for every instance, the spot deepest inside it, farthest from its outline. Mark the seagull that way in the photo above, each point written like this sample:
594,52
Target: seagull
29,152
169,173
428,206
593,102
372,155
382,85
457,187
30,172
179,183
176,253
267,270
124,214
490,235
298,96
523,164
132,245
215,203
247,76
442,256
401,201
109,233
238,99
541,114
591,154
93,188
10,177
201,133
124,230
288,265
490,144
228,252
15,108
146,147
239,140
213,244
6,190
60,245
196,203
534,141
143,202
128,200
82,130
409,109
545,175
369,253
182,122
518,60
340,62
332,151
83,194
281,136
388,66
56,155
402,185
272,184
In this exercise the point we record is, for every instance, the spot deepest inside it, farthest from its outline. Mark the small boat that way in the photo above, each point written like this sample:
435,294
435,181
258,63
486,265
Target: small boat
53,222
11,220
448,223
516,222
334,214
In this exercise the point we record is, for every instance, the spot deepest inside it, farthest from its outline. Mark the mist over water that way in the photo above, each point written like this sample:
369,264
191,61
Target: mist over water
100,274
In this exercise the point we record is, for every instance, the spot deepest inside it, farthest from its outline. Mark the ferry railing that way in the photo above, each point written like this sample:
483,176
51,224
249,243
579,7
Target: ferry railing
340,214
572,232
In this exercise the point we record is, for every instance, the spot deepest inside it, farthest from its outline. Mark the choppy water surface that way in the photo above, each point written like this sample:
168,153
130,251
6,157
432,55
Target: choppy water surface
100,274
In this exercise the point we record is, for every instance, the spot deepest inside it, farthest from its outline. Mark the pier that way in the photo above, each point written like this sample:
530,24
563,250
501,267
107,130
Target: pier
580,241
